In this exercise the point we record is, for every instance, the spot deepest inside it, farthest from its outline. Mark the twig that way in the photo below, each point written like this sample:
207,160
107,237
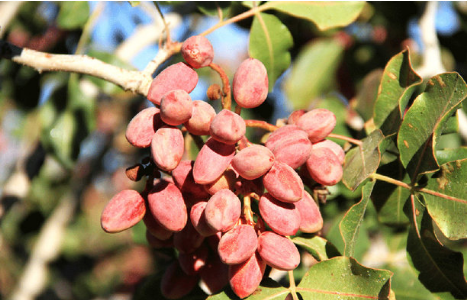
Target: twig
345,138
261,124
143,36
292,287
163,54
83,40
226,97
390,180
134,81
249,13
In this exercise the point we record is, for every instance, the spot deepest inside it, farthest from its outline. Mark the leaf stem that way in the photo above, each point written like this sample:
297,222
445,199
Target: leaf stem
390,180
226,98
345,138
415,189
247,212
437,194
261,124
292,287
249,13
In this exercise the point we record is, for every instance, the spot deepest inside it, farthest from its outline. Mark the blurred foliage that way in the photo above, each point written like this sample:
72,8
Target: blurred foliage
67,133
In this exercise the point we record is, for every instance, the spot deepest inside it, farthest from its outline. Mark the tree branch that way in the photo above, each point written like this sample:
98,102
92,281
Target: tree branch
134,81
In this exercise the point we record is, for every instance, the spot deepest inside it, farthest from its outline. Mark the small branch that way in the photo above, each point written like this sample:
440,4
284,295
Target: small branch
390,180
345,138
144,36
226,97
247,212
249,13
166,25
437,194
261,124
238,109
219,12
83,40
133,81
163,54
292,287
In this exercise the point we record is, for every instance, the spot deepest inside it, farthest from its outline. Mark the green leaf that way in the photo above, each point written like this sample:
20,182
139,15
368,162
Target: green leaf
313,72
397,85
448,155
389,199
134,3
270,41
452,125
425,120
352,220
448,206
73,14
365,99
439,269
344,278
268,289
325,15
211,8
60,138
361,162
320,248
406,286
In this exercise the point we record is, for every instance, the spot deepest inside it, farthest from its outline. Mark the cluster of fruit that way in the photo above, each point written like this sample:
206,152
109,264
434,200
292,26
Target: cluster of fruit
204,208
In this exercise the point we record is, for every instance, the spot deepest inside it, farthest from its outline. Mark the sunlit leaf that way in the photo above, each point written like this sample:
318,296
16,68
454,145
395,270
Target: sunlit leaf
320,248
344,278
324,14
270,41
425,121
350,224
448,205
398,83
268,289
362,162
